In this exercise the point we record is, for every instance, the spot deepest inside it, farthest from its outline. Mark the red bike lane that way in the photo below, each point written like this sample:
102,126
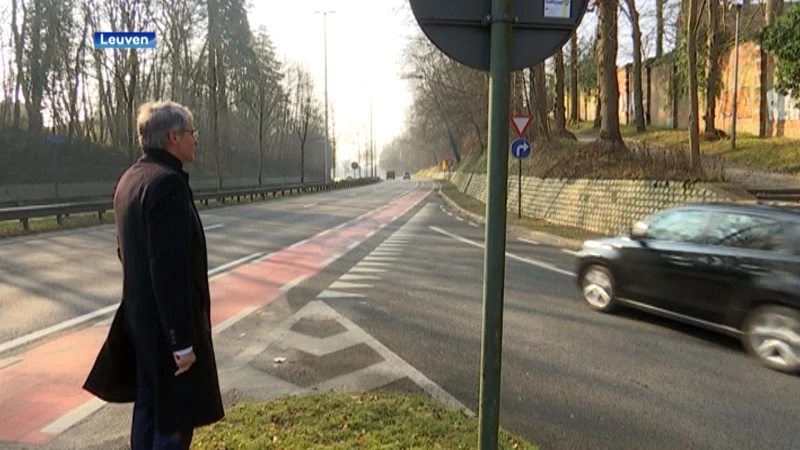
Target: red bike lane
44,384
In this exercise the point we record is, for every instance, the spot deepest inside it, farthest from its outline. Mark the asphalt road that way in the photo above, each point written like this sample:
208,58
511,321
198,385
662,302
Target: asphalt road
571,378
50,278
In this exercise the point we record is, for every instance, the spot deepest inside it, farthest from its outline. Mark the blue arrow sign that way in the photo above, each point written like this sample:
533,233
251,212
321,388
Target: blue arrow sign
55,139
521,148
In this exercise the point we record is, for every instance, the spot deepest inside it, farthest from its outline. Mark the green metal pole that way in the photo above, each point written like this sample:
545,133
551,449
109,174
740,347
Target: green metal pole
519,189
494,254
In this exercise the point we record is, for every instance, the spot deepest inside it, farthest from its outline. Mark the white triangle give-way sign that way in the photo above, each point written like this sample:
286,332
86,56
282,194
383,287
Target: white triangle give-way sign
521,123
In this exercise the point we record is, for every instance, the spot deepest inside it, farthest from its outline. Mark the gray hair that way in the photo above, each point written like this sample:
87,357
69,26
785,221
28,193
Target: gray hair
156,119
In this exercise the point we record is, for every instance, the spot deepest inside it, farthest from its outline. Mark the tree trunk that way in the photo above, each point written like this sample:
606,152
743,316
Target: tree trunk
574,114
774,8
712,70
598,111
561,113
538,100
694,130
609,128
660,27
638,91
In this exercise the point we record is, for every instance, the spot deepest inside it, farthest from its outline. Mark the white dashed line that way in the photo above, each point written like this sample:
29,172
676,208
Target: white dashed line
533,262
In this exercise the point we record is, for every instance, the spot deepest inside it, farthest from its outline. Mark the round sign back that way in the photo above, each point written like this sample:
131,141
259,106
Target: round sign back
461,29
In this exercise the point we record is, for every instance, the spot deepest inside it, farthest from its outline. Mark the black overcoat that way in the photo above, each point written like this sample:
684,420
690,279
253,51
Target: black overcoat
165,298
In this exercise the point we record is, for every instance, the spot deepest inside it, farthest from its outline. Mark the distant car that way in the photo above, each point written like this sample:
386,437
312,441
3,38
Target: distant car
731,268
390,174
406,176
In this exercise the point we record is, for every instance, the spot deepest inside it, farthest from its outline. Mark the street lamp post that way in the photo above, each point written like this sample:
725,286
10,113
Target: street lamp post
738,5
325,28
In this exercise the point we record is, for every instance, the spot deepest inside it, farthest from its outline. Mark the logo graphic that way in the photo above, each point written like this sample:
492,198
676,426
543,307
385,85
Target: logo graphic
110,39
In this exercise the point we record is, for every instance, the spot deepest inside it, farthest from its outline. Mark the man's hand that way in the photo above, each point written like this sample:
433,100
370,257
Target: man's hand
184,362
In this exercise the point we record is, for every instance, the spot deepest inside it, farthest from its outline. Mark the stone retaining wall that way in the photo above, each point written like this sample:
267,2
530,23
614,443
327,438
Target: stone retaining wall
602,206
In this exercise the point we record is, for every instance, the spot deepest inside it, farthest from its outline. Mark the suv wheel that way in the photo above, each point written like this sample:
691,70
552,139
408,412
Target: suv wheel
597,287
772,335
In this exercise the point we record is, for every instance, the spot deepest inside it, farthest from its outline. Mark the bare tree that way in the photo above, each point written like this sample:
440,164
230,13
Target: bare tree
609,128
636,35
303,112
694,130
574,89
560,108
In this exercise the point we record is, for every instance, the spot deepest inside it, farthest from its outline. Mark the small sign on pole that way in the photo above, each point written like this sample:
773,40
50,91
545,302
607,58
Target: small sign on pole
521,149
521,123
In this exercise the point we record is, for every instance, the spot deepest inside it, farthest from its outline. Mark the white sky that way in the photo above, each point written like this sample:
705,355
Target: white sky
365,43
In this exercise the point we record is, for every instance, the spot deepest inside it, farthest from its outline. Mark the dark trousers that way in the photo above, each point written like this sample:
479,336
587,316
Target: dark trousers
144,434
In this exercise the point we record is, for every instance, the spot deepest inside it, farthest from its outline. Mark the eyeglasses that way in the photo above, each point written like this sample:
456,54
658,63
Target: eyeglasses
194,132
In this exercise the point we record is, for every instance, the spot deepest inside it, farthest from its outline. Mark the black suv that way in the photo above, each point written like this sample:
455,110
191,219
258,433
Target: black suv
734,268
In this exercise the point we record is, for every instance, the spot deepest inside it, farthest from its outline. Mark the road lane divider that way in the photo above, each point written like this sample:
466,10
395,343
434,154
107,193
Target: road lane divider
533,262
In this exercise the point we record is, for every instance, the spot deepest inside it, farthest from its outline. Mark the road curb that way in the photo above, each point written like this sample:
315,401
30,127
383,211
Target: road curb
517,231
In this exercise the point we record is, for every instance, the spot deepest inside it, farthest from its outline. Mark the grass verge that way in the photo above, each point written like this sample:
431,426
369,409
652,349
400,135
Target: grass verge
475,206
780,154
344,422
567,158
14,228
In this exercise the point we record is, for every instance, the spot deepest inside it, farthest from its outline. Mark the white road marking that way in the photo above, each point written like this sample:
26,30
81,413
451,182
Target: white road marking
331,259
336,294
36,335
224,267
299,243
569,252
346,285
379,258
528,241
213,227
69,419
349,276
292,283
366,270
474,224
233,320
76,415
533,262
371,263
22,340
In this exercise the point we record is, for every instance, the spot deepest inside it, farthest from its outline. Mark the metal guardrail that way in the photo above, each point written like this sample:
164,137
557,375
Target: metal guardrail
100,207
776,195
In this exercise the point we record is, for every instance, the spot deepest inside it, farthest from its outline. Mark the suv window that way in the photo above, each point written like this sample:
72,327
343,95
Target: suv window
749,231
685,225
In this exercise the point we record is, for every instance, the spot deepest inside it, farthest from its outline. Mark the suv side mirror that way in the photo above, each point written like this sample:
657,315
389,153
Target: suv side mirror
639,230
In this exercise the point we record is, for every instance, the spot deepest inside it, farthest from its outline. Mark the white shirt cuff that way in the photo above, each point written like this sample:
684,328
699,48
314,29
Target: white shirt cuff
183,352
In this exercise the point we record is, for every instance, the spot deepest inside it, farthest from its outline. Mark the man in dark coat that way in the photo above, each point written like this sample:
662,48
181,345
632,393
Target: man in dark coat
159,352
